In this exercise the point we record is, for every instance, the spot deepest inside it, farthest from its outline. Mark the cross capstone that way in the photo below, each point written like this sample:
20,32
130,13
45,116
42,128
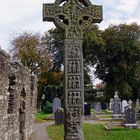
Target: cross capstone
72,15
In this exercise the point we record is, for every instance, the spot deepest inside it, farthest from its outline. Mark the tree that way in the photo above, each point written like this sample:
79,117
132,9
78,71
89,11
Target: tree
27,48
93,46
33,51
54,38
119,64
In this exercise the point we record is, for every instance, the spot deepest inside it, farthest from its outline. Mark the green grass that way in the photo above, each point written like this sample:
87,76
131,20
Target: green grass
40,117
106,117
104,112
96,132
56,132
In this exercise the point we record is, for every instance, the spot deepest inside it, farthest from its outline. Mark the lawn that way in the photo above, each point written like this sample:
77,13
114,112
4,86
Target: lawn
96,132
40,117
104,112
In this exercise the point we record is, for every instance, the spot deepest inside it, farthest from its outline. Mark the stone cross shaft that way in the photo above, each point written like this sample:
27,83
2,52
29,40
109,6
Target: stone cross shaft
73,16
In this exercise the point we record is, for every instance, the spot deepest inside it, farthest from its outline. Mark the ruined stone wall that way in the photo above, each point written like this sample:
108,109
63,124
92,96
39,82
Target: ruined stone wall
18,92
4,81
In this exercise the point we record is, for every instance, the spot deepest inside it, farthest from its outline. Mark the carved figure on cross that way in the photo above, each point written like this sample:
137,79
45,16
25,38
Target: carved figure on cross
72,15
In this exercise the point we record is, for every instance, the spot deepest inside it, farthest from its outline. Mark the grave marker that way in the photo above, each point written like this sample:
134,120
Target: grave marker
98,108
56,104
73,16
59,116
111,104
130,116
124,105
116,104
87,109
137,105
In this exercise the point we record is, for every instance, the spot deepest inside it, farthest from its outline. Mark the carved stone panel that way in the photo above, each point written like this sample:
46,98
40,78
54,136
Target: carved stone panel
74,67
74,114
73,51
73,16
74,98
74,82
74,89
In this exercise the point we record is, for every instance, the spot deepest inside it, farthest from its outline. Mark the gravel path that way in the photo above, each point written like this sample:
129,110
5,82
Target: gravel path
41,132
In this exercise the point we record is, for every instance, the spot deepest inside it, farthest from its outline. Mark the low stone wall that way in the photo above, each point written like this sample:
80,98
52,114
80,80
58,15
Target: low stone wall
18,93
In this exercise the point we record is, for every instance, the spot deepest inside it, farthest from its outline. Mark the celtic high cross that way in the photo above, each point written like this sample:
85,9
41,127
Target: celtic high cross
73,16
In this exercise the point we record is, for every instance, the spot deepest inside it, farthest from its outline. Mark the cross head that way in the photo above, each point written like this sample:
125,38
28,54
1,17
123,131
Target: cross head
73,16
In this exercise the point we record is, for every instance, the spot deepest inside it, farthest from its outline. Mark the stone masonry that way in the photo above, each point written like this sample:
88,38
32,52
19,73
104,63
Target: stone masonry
18,92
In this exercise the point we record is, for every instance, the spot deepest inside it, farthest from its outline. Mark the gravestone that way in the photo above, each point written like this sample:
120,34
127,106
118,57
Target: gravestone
98,107
103,105
59,116
56,104
137,105
130,116
111,104
116,107
116,104
87,109
124,105
73,16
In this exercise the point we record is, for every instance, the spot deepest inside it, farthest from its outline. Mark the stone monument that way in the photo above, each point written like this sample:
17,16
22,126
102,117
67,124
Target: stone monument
116,106
98,108
59,116
73,16
56,104
137,105
124,105
87,109
111,104
130,116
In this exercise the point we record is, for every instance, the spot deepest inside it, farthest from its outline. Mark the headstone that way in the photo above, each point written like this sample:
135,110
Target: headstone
137,105
56,104
130,116
107,106
116,104
103,105
124,105
98,107
59,116
87,109
111,104
73,16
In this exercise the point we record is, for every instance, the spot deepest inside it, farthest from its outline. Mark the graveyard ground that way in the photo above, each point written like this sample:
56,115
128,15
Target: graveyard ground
95,132
41,117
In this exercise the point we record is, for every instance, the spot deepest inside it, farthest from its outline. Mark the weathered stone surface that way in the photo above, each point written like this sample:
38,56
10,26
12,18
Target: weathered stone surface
130,116
4,81
18,92
87,109
56,104
137,104
73,16
59,116
116,104
124,105
98,108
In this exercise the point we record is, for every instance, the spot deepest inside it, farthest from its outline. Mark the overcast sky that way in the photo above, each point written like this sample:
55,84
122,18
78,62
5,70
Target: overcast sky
26,15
